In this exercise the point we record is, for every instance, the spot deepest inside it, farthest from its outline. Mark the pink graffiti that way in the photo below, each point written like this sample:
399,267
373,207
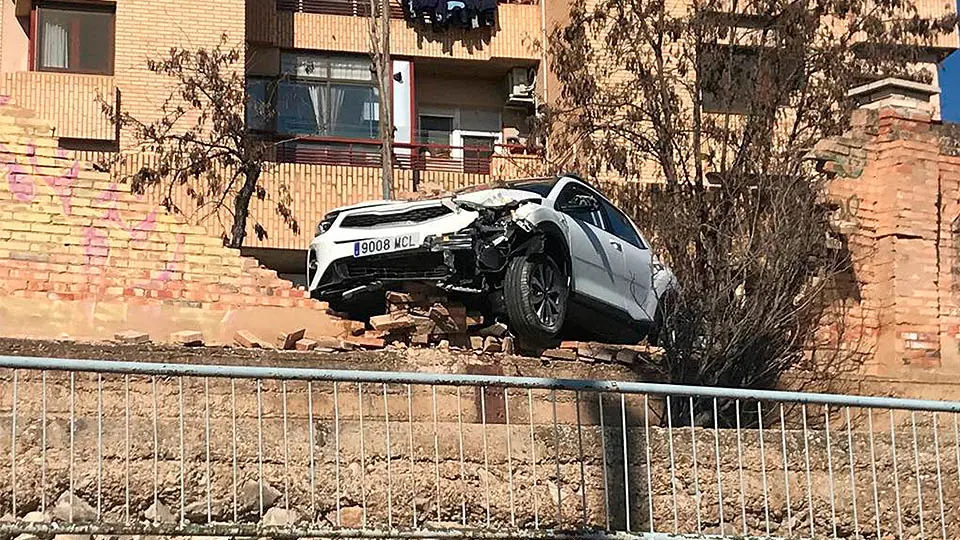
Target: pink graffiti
96,247
20,184
61,184
145,228
23,187
22,179
112,214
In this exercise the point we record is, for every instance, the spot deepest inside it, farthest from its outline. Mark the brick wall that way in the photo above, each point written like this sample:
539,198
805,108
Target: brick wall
898,200
69,102
79,254
148,29
145,29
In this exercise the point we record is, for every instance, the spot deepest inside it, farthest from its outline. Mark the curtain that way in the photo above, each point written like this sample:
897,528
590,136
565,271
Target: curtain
319,107
336,104
56,46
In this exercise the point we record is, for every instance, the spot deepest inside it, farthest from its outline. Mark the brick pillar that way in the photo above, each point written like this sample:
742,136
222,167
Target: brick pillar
897,233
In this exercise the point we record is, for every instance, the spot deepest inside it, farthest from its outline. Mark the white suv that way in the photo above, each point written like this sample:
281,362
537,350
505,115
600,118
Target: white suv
546,253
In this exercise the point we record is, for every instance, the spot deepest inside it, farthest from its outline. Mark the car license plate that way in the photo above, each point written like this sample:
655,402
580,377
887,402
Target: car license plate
376,246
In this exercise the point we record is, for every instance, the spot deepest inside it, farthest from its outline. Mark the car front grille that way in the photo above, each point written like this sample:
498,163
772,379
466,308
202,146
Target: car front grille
411,265
418,215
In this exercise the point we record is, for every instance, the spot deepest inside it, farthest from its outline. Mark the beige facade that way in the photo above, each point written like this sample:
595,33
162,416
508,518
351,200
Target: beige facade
142,29
463,122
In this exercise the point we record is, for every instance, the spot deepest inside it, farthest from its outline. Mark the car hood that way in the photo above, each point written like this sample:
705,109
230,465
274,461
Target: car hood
487,198
494,198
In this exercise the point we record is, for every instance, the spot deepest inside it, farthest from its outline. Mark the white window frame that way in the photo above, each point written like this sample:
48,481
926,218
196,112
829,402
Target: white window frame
457,135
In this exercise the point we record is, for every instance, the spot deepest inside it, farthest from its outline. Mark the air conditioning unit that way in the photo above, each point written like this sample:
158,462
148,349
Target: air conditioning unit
521,83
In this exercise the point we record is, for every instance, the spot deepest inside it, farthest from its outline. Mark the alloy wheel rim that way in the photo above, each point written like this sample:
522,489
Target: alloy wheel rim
546,292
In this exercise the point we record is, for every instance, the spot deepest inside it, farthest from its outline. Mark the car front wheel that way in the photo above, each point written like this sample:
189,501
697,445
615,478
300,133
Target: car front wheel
535,294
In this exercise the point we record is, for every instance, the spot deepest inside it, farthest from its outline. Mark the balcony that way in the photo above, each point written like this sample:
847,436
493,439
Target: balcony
500,160
66,100
341,25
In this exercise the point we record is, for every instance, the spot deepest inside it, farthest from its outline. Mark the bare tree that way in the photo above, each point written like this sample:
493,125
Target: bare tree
199,142
379,33
718,103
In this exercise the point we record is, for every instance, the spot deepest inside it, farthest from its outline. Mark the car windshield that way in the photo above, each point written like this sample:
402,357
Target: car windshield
540,186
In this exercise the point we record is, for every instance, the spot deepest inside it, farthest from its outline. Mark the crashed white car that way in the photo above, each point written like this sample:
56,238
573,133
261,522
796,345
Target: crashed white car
547,254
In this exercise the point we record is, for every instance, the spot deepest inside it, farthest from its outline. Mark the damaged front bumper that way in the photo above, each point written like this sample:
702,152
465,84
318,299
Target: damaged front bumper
470,260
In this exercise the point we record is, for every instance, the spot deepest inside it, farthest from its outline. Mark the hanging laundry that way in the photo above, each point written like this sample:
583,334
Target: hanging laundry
441,15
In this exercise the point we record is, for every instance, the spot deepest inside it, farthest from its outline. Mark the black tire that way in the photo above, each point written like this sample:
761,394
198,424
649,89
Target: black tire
535,293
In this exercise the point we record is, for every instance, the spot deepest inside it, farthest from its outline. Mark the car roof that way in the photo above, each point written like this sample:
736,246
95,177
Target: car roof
514,181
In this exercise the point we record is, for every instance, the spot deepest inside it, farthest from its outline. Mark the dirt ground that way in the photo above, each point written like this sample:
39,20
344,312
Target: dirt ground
389,359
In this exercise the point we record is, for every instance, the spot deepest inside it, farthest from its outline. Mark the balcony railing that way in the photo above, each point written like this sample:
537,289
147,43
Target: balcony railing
409,156
353,8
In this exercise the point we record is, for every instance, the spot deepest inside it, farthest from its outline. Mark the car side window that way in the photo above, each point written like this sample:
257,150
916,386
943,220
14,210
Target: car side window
593,217
620,226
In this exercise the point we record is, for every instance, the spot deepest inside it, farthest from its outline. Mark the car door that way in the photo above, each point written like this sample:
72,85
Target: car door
636,281
597,262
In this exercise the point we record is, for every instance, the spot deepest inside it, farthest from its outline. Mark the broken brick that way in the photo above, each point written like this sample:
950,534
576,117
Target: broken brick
187,338
560,354
247,340
476,342
131,337
392,321
365,342
449,318
288,341
306,344
491,345
497,329
596,351
626,356
424,325
327,342
507,345
474,318
570,345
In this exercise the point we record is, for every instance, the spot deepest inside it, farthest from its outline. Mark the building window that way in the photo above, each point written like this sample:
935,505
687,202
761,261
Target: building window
74,38
732,77
327,96
259,111
435,129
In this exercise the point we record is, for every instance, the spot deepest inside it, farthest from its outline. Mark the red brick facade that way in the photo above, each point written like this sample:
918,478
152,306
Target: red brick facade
898,194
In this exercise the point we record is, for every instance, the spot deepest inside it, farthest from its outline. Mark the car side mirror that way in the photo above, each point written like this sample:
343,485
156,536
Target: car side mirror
581,203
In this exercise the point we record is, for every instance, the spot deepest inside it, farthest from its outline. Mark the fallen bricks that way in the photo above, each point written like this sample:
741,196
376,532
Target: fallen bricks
420,315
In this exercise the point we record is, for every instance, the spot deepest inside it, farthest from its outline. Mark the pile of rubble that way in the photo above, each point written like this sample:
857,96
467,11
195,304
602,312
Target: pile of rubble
588,351
417,315
425,316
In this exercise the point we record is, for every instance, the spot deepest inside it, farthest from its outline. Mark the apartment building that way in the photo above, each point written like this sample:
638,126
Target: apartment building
463,93
465,85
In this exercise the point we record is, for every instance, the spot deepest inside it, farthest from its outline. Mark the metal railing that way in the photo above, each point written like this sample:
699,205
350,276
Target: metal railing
353,8
100,447
410,156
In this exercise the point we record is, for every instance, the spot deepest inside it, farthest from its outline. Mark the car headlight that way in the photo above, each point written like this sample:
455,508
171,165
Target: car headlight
324,226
